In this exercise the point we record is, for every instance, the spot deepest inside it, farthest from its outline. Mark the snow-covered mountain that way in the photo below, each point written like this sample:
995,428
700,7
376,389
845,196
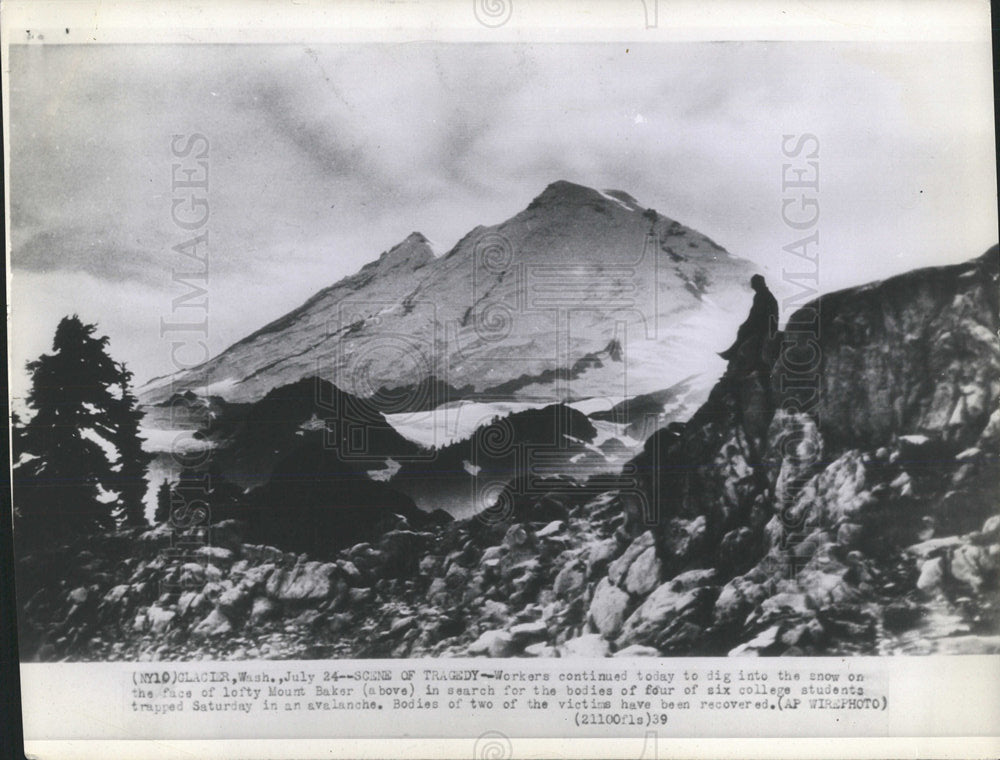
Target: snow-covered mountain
584,294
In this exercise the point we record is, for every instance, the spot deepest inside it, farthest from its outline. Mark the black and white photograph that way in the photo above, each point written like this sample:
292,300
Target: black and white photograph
498,350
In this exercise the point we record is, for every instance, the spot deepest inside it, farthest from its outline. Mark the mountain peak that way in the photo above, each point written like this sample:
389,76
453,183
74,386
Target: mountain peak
414,249
563,191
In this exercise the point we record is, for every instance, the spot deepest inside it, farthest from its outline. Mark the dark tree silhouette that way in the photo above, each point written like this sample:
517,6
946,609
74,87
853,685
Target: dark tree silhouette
163,493
81,464
132,459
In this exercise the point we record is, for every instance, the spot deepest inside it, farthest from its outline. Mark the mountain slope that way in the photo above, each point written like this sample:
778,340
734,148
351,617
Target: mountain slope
515,310
768,523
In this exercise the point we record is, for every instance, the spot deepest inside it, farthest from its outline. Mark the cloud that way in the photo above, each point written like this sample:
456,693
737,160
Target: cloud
323,157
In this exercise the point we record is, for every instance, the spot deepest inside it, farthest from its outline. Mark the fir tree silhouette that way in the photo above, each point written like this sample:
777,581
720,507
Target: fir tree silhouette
132,459
81,465
163,496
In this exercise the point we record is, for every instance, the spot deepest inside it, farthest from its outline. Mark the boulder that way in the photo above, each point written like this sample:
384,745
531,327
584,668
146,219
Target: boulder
974,565
618,569
735,553
588,645
637,650
600,554
664,606
541,649
607,608
682,542
262,609
494,611
217,554
644,573
350,572
235,601
931,576
159,619
736,600
759,644
214,624
571,580
493,643
306,581
524,633
552,529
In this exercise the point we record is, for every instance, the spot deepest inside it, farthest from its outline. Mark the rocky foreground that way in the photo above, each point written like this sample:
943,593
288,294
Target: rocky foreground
573,586
856,516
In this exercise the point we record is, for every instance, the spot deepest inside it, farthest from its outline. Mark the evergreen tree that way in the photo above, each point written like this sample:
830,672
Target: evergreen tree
125,417
82,459
163,496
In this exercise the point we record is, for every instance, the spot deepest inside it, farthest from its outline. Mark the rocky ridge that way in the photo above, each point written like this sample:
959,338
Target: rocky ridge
770,523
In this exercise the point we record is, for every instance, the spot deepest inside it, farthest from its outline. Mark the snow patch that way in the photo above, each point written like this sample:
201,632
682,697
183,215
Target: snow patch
619,201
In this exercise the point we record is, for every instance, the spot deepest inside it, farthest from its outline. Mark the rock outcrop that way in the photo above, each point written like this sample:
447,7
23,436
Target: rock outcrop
858,516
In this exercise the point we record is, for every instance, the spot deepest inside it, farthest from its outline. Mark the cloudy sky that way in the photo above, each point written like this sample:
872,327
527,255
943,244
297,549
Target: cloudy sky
321,158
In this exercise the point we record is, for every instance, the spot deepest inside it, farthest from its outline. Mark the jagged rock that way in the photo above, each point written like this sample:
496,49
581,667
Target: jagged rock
360,595
932,546
931,575
524,633
849,534
735,552
437,592
901,480
798,445
305,581
600,555
494,611
262,609
185,601
191,574
607,608
644,573
517,536
159,619
541,649
974,565
682,542
350,572
218,554
808,633
835,495
665,605
969,455
235,601
215,624
637,650
552,529
759,644
786,602
588,645
989,439
618,568
991,528
736,600
493,643
457,577
571,580
264,553
491,554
